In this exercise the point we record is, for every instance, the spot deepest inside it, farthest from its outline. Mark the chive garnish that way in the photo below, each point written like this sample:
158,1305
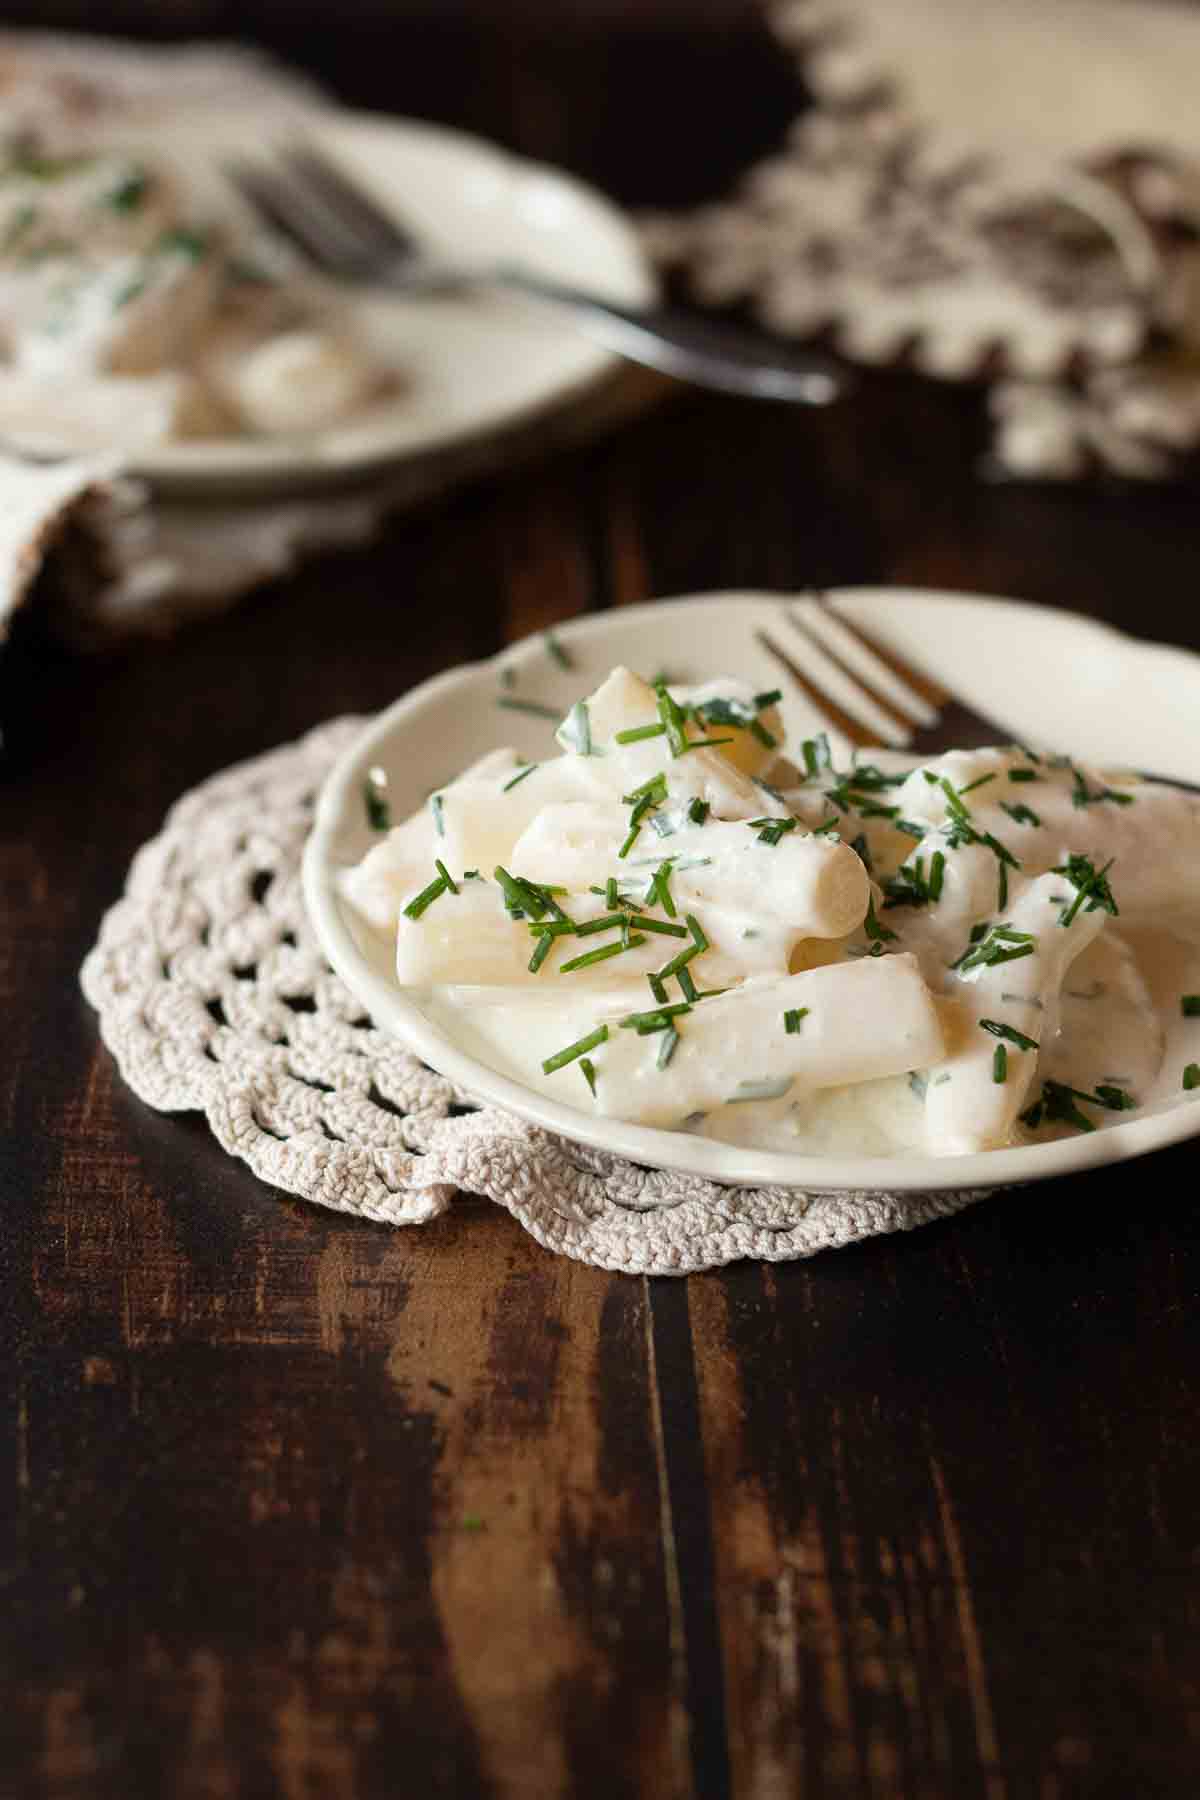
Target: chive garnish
1059,1104
1010,1033
511,703
575,732
761,1090
607,923
1191,1077
687,986
657,989
612,894
1001,888
588,1069
523,897
671,718
1000,1064
679,962
654,790
862,850
541,951
697,931
697,811
425,899
656,1020
660,887
438,810
999,944
662,926
979,781
574,1051
1115,1098
555,649
937,871
878,934
596,956
1021,815
1189,1005
704,744
1091,887
445,874
666,1048
792,1019
379,813
636,733
771,830
520,776
816,754
771,698
1080,795
1023,775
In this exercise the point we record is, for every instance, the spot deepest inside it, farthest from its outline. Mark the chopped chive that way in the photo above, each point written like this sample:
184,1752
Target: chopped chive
697,810
636,733
657,989
697,931
1115,1098
678,962
1013,1036
766,738
425,899
437,808
656,1019
661,886
878,934
816,754
980,781
667,1045
1000,1064
1091,887
862,850
534,707
588,1070
771,698
655,790
521,897
703,744
671,718
445,874
772,829
662,926
1023,775
555,649
1189,1005
575,732
379,813
1080,795
472,875
574,1051
1021,815
541,951
520,776
612,894
609,922
1001,887
760,1090
596,956
1191,1077
792,1019
687,986
937,872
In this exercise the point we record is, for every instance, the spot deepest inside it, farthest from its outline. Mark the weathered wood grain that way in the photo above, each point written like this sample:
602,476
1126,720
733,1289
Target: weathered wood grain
296,1508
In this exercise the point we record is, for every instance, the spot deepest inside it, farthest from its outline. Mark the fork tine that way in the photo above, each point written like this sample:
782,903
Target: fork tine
351,202
906,722
924,686
834,715
293,213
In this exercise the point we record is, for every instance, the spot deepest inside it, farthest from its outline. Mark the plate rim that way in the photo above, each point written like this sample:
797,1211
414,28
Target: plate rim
723,1164
208,466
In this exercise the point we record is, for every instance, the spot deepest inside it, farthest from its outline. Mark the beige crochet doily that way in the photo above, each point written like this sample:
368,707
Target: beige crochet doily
214,997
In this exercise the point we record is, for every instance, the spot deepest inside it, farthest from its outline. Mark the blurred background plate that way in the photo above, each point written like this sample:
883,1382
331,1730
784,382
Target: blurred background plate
471,368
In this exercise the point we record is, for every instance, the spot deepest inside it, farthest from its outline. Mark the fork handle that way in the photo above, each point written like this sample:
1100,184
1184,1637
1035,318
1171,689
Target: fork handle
709,353
706,352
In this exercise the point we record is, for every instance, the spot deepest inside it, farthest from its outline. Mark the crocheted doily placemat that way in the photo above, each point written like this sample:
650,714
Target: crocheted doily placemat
214,997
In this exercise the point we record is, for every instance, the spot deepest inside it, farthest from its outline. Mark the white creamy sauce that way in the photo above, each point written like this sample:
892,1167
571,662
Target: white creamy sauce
993,947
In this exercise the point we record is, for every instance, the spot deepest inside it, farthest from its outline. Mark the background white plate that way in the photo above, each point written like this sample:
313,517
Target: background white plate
473,364
1044,676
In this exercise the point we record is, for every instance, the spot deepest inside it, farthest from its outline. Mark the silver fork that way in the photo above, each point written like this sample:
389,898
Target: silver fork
344,231
916,710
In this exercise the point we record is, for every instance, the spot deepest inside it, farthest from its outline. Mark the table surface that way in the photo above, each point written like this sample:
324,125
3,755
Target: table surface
302,1507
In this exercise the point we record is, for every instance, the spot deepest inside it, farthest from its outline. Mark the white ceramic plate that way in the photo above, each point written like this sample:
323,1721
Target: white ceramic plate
469,365
1042,675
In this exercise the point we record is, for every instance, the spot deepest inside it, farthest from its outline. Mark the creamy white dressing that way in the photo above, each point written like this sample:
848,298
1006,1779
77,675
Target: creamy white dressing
1014,969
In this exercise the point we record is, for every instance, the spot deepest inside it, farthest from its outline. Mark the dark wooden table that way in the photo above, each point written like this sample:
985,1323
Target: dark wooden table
307,1509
